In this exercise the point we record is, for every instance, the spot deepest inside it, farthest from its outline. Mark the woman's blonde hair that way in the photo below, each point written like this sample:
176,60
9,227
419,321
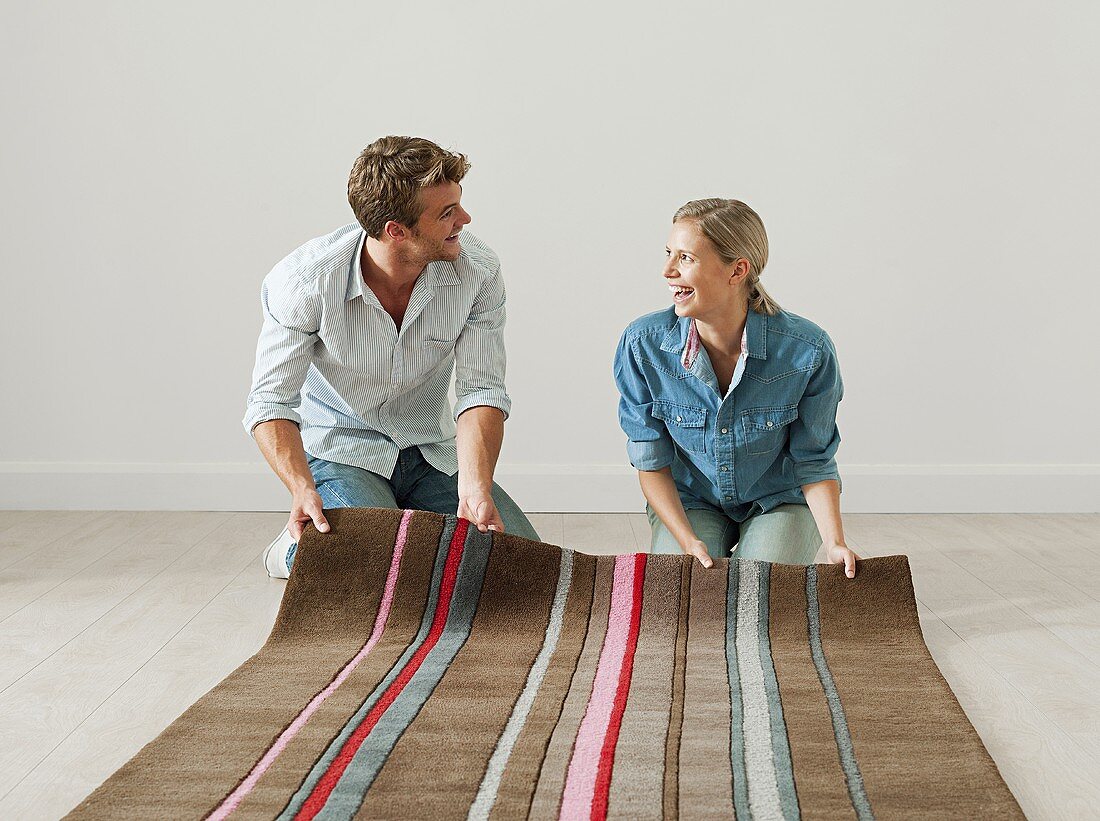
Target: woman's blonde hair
737,232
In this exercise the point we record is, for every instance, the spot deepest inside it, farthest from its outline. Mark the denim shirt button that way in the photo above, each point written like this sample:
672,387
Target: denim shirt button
728,498
770,423
725,430
724,468
681,419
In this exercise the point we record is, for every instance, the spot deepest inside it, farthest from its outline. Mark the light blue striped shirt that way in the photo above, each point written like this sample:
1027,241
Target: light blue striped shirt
330,358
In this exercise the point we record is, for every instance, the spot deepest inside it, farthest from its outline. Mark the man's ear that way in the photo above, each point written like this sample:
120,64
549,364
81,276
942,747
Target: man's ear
395,231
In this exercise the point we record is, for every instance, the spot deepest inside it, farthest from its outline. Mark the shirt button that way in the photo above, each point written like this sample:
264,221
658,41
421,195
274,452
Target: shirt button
679,419
728,498
724,468
725,430
770,423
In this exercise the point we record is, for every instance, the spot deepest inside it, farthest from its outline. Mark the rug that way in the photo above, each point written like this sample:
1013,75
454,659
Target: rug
421,669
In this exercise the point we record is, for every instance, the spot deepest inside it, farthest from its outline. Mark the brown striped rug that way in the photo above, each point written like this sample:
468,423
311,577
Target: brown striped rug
420,669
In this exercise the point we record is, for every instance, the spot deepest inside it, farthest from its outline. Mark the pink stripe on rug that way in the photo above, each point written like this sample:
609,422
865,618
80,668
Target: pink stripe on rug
580,781
245,787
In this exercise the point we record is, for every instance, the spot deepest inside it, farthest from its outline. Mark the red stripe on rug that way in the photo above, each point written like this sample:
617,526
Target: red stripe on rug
607,754
316,801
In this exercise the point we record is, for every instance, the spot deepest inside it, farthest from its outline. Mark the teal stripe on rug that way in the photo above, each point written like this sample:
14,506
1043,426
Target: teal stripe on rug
737,719
852,776
781,747
368,761
325,761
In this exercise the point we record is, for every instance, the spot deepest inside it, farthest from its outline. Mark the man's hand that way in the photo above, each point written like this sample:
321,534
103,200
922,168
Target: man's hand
305,507
698,549
841,554
478,507
280,442
478,434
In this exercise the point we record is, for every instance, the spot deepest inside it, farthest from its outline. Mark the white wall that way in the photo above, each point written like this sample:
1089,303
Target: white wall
927,173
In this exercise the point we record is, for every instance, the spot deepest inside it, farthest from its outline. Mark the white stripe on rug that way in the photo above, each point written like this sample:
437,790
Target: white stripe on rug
490,783
759,764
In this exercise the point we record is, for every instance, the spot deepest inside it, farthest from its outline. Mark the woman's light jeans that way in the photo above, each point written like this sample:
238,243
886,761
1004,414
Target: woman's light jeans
787,534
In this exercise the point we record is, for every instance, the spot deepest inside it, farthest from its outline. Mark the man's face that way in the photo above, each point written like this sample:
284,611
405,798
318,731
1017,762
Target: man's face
435,235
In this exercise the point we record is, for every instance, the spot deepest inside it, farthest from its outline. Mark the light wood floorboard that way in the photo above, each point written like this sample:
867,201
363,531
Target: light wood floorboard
33,633
957,571
34,530
549,526
44,706
1050,775
40,570
112,624
1053,674
600,533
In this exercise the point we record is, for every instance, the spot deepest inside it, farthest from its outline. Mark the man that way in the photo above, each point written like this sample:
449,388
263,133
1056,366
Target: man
361,331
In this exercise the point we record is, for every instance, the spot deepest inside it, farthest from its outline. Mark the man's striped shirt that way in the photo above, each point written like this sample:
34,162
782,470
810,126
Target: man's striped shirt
330,358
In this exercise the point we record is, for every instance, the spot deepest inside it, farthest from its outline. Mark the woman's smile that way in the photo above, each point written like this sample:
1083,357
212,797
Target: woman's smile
681,293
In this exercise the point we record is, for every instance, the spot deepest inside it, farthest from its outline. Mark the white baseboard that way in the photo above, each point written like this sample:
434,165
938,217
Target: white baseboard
547,488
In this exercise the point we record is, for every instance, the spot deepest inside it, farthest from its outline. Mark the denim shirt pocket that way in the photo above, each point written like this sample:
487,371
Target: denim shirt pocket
686,424
765,429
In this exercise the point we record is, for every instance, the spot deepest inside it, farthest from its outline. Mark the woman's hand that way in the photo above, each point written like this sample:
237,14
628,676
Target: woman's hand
698,549
836,553
660,492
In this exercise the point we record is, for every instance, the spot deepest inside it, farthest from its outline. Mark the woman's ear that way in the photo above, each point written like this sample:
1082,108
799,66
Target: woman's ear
740,271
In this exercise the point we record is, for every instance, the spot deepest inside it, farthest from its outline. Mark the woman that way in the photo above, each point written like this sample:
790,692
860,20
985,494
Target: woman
729,404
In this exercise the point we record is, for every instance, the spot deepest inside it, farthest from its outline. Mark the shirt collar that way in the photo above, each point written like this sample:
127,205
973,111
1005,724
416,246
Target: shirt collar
355,274
756,331
437,273
682,338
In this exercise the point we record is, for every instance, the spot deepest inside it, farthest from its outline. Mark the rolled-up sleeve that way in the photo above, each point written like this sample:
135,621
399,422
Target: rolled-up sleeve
292,318
480,360
649,445
814,437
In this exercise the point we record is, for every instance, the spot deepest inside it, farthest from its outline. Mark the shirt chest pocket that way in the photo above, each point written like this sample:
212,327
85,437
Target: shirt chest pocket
765,429
427,355
686,424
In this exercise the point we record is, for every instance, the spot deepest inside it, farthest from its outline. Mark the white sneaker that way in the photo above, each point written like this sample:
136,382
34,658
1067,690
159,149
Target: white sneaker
277,553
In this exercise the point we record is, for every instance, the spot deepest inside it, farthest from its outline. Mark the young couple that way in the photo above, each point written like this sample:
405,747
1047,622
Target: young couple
728,402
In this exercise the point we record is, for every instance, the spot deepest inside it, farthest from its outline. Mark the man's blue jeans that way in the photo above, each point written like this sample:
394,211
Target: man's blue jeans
415,485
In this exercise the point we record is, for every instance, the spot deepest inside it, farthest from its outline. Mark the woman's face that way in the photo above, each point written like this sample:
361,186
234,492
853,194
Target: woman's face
701,284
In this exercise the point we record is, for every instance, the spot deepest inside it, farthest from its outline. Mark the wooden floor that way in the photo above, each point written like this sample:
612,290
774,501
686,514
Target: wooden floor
112,624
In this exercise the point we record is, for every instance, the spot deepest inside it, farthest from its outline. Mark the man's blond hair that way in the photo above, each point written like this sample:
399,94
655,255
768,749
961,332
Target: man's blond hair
737,232
389,174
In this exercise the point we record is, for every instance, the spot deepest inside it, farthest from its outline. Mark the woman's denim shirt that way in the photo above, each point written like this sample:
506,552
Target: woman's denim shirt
750,450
